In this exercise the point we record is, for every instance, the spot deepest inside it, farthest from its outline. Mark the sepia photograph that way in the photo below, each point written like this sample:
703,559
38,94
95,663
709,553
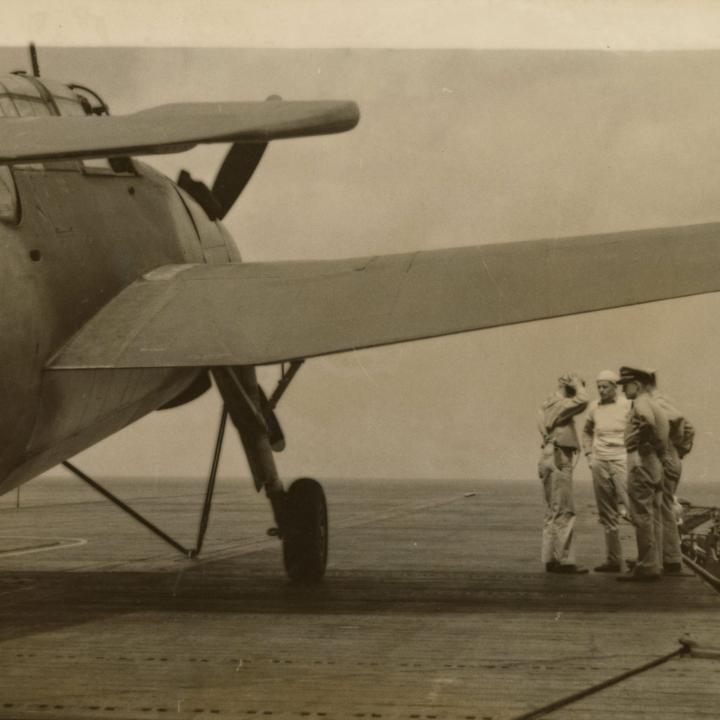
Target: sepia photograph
359,360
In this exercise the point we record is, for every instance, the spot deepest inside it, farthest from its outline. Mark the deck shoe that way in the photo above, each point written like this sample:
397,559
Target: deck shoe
608,567
634,577
552,566
570,569
672,568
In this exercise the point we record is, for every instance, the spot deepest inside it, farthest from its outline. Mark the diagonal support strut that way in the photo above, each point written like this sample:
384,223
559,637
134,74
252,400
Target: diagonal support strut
205,515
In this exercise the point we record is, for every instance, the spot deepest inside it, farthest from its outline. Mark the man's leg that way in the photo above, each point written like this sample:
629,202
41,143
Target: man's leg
563,506
643,493
618,475
658,526
605,498
618,470
545,471
671,556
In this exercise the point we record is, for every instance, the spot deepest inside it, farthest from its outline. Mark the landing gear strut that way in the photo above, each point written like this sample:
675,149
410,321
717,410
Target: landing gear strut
300,512
305,531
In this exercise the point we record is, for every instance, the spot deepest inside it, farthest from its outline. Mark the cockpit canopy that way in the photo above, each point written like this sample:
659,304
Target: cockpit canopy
24,96
27,96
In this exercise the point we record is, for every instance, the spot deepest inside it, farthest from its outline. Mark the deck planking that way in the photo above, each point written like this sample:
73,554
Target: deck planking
435,607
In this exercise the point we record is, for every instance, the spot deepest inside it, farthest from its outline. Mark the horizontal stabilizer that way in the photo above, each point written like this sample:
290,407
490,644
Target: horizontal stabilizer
168,128
259,313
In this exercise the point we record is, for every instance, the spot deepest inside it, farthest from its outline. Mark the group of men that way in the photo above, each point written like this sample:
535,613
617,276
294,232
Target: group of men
634,443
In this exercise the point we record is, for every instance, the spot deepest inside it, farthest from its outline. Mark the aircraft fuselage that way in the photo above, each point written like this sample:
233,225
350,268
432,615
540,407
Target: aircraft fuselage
84,235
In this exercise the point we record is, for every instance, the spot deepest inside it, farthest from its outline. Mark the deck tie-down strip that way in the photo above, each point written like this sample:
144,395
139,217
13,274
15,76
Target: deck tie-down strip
687,647
191,709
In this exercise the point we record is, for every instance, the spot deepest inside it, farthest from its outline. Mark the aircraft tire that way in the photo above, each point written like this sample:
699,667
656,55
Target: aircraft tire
305,537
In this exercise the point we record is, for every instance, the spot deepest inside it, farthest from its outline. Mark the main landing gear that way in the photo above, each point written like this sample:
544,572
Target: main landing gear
300,513
305,531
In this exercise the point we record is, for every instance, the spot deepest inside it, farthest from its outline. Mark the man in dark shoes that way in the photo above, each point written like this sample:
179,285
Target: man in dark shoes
646,441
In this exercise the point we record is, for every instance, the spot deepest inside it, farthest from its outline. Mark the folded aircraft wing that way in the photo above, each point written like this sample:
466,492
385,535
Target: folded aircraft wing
259,313
169,128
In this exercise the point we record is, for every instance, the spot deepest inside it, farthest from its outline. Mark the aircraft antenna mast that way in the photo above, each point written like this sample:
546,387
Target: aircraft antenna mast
34,60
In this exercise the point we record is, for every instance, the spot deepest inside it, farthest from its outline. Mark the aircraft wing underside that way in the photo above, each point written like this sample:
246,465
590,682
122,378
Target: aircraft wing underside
261,313
169,128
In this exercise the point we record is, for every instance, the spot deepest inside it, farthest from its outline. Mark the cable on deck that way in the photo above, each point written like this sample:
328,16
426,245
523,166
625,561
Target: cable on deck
687,647
700,571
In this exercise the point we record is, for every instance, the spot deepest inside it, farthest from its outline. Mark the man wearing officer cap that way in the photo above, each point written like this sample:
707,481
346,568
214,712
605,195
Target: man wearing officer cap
681,438
646,441
603,441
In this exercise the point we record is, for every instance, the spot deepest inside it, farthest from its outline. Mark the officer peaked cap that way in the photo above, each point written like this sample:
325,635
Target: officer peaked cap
631,374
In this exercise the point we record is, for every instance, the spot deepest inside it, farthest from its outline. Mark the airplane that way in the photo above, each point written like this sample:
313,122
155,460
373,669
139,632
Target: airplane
122,293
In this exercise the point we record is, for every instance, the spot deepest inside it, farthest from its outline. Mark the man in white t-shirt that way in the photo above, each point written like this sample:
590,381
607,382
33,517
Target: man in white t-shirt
604,445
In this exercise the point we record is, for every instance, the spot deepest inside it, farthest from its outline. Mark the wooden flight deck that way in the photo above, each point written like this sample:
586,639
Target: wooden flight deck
435,607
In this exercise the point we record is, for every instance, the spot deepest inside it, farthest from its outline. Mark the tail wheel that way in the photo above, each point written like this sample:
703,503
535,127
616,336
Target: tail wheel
305,531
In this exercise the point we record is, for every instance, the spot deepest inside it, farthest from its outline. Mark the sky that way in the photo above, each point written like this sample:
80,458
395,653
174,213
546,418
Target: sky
553,135
589,24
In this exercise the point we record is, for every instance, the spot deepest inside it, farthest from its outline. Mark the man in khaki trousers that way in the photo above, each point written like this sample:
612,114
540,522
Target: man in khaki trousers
646,441
681,438
559,449
603,441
